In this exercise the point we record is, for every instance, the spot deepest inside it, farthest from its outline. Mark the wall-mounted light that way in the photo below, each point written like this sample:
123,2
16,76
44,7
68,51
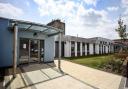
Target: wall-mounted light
35,34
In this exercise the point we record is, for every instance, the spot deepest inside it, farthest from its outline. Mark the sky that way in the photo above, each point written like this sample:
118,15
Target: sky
85,18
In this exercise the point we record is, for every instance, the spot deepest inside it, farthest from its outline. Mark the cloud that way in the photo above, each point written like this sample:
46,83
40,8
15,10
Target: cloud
57,8
125,12
125,2
79,20
8,10
91,2
91,23
27,3
112,8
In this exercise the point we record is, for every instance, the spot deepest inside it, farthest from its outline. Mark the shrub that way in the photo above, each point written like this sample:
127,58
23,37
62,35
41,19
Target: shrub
113,65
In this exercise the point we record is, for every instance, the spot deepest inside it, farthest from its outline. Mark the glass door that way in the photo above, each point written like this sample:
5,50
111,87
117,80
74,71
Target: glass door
41,50
24,50
31,50
34,51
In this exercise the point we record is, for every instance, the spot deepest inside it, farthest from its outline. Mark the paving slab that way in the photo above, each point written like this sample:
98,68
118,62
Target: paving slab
94,77
37,76
65,82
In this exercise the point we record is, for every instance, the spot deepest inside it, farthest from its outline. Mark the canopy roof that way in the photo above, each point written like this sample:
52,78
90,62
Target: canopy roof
35,27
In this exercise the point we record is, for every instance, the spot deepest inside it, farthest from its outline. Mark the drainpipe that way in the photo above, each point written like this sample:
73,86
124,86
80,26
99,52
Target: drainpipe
15,49
59,60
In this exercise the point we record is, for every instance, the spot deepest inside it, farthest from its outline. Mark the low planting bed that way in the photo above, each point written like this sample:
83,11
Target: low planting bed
108,63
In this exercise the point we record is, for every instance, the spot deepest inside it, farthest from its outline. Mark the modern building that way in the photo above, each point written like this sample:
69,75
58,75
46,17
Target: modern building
76,46
118,44
73,46
25,42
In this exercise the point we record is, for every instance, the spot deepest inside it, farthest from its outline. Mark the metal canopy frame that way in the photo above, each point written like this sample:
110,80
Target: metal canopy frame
35,27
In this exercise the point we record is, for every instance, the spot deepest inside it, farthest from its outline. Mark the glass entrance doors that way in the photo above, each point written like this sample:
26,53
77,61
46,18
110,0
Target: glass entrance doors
24,50
34,51
31,50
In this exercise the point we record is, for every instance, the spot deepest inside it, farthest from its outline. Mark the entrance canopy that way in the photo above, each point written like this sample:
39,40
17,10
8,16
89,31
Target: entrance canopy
35,27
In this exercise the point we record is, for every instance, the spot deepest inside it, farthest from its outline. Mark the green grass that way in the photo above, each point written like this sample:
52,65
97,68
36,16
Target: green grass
91,61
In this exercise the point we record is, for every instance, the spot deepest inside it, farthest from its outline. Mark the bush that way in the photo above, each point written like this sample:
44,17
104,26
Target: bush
123,53
113,65
121,56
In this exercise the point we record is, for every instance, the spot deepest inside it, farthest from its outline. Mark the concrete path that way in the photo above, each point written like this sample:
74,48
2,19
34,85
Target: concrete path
42,76
96,78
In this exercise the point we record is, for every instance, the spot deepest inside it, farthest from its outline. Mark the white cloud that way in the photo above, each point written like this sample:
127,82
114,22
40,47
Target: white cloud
91,23
112,8
91,2
125,2
57,8
8,10
79,20
27,3
125,12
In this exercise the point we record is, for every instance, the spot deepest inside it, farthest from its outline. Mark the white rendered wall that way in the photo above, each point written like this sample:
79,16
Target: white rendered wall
80,48
75,48
106,49
85,49
112,49
54,48
101,48
91,49
67,52
97,48
49,49
109,49
69,48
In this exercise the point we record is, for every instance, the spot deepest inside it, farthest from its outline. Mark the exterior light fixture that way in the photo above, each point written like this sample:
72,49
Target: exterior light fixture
35,34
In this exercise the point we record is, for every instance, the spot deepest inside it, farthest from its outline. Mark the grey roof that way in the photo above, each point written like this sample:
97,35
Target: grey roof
86,40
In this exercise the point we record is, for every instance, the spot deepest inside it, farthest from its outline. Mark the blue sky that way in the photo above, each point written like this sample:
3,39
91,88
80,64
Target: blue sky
87,18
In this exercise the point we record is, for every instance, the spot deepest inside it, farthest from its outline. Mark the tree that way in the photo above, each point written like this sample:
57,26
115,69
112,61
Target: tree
123,35
122,30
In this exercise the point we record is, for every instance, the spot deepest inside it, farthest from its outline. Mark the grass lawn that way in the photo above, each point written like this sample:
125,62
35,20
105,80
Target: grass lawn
92,61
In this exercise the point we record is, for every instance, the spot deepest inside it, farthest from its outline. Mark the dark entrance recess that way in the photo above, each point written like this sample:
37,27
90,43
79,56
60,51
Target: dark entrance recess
57,49
78,48
94,49
99,49
62,49
88,49
104,50
72,48
83,49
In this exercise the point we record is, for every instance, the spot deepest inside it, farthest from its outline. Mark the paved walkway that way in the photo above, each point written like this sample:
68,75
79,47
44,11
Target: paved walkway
42,76
93,77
